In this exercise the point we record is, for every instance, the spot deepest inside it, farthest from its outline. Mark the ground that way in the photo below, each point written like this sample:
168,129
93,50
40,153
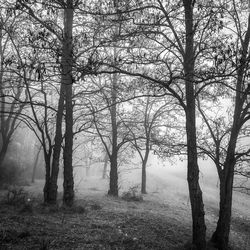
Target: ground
161,221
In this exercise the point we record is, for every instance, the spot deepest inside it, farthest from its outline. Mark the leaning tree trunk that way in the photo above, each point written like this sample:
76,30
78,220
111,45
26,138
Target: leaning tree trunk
67,64
195,193
57,148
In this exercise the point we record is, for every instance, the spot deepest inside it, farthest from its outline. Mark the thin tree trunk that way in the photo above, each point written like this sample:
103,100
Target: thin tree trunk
105,166
35,165
3,128
195,193
144,172
57,148
113,186
67,63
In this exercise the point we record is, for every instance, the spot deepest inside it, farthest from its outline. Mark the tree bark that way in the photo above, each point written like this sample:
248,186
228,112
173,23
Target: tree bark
195,193
46,189
67,64
113,185
57,148
35,165
144,173
3,126
105,166
220,237
3,151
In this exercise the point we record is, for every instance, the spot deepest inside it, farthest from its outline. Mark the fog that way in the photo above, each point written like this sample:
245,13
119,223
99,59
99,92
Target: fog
166,179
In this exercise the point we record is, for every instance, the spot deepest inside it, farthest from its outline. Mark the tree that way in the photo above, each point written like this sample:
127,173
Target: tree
36,160
226,149
62,50
11,86
67,82
170,45
149,125
108,124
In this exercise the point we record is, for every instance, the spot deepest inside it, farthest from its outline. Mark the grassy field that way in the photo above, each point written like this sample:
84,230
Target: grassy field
161,221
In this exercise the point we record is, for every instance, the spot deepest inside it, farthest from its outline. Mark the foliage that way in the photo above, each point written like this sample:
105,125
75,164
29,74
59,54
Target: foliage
10,173
133,194
16,196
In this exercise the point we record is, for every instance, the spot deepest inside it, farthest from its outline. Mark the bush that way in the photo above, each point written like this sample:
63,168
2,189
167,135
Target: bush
17,197
10,173
132,194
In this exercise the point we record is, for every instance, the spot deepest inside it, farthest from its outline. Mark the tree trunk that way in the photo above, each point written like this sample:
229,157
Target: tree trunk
57,149
220,237
35,165
195,193
46,189
3,151
144,172
113,184
105,166
67,64
143,178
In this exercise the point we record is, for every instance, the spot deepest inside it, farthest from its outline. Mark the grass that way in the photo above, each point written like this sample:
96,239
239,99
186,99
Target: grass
161,220
90,228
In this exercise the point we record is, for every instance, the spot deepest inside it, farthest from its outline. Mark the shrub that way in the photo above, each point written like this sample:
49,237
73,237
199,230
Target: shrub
15,196
132,194
10,173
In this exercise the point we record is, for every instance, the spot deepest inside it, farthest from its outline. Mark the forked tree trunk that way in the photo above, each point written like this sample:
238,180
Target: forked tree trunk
67,64
220,237
195,193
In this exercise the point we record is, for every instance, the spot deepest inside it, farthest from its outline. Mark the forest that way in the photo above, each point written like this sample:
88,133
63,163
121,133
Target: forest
113,89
